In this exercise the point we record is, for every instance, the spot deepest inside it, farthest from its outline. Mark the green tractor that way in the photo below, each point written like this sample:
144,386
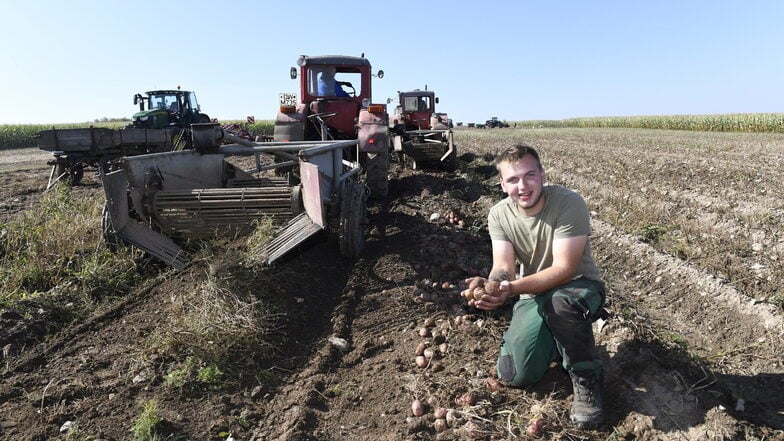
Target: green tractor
172,110
160,109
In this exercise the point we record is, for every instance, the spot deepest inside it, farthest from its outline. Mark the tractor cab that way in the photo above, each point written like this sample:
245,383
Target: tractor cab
334,102
163,108
333,91
414,110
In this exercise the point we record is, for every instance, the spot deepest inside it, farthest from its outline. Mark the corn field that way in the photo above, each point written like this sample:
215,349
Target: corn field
735,122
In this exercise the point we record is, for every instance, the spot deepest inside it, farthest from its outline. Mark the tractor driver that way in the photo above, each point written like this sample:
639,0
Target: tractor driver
327,86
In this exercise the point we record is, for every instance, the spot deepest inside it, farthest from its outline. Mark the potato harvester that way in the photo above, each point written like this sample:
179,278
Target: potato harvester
155,200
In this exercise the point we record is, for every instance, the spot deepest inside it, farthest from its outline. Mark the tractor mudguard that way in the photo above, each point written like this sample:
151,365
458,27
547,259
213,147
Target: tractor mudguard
373,132
294,131
439,121
290,126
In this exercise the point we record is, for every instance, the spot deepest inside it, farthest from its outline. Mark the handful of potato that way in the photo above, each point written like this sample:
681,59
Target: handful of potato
489,287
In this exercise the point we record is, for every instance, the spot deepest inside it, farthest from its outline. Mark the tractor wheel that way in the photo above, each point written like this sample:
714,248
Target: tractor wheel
105,164
405,161
352,219
112,239
77,173
377,173
74,172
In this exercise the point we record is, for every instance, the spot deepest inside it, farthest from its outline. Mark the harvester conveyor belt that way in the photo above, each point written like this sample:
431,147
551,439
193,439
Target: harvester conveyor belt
203,212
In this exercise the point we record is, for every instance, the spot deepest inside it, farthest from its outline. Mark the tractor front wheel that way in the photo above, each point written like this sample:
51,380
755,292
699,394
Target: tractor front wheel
377,173
352,219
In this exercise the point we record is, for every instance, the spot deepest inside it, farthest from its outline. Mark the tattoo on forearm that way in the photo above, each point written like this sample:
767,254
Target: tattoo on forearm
499,276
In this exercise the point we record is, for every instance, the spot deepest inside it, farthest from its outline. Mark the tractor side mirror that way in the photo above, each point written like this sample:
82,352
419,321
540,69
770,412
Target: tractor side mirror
293,73
436,100
380,73
139,99
389,100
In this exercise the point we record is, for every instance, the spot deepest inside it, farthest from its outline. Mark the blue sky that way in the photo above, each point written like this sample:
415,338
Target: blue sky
75,61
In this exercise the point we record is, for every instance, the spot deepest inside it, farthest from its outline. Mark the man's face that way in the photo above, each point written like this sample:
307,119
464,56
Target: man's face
523,181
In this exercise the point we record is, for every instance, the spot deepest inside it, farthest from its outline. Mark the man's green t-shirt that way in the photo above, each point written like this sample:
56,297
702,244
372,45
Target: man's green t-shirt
564,214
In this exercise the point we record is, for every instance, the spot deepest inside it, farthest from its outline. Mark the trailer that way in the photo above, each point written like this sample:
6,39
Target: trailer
161,124
74,150
153,201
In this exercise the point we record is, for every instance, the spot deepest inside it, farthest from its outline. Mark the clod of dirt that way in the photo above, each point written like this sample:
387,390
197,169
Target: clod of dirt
465,400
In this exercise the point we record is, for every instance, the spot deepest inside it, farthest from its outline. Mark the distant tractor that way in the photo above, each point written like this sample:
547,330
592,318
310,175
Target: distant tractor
335,103
421,135
159,109
162,123
494,122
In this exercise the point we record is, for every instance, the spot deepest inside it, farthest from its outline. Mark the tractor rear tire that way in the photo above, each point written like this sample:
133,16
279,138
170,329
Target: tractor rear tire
377,173
352,219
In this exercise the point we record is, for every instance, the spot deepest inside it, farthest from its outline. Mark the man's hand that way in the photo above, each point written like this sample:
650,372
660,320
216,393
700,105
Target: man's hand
474,282
496,295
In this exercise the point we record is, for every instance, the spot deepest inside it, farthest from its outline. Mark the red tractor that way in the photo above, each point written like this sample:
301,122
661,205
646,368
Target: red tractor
421,135
335,103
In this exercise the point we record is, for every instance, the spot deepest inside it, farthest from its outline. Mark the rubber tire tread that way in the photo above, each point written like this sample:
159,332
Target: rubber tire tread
352,220
377,174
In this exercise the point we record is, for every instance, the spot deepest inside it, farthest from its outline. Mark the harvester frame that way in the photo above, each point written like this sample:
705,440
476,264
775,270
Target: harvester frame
153,200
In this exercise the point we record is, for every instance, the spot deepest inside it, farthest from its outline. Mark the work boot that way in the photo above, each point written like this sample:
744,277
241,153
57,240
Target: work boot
587,401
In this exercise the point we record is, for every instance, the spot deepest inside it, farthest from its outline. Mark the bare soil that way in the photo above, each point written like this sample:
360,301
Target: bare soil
692,352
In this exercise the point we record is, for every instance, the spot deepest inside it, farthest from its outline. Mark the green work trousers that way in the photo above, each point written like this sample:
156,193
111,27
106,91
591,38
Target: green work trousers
557,320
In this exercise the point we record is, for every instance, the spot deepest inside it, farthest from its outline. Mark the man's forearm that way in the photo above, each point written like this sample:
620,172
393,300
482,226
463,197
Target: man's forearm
540,282
499,275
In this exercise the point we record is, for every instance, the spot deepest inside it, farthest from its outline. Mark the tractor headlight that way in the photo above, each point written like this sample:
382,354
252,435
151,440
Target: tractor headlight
365,102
